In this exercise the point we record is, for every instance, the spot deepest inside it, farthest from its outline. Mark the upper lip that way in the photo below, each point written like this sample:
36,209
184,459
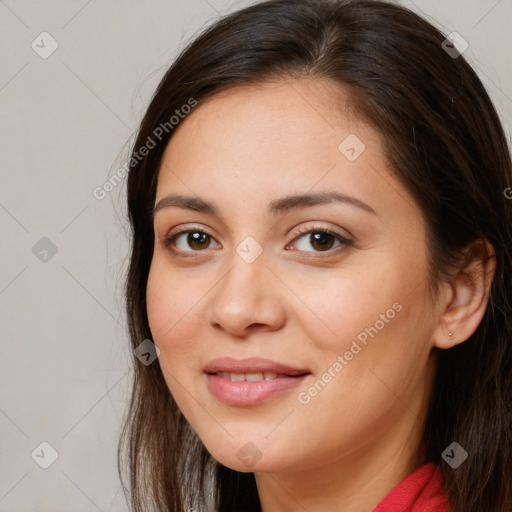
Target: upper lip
251,365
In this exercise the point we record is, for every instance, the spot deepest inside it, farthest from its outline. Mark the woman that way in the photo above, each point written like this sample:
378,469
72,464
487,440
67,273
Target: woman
322,257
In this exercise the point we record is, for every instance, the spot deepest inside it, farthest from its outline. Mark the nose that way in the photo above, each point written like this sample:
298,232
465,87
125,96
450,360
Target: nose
249,298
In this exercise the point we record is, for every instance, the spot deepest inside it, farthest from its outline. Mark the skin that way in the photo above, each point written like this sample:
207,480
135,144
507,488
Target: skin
361,434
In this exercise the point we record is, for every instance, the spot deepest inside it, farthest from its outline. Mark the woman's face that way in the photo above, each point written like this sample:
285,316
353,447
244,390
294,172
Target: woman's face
257,289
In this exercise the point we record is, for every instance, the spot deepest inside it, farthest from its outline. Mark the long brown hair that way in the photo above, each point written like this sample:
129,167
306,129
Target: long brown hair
445,143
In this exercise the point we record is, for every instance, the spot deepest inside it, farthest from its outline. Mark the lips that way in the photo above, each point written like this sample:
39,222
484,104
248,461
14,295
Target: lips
252,365
251,381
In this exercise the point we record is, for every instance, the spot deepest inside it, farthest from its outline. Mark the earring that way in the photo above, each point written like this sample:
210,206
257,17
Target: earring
450,335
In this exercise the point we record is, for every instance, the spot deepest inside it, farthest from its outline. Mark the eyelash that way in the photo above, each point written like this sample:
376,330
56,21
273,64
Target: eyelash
315,229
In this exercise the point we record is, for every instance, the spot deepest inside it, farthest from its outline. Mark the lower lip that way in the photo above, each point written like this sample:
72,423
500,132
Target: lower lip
245,393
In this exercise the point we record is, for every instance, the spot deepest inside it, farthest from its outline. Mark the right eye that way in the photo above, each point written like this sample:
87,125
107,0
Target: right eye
196,239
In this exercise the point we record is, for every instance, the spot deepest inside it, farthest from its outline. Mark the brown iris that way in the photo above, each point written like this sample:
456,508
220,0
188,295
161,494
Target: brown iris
322,240
197,240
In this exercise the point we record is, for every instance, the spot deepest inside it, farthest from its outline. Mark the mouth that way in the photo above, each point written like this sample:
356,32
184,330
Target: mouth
252,377
251,381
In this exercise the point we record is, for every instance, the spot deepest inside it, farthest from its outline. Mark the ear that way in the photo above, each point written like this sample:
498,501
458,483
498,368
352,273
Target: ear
465,301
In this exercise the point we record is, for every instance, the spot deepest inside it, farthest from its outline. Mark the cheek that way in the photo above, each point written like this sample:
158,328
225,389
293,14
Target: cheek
173,320
379,352
172,312
170,299
377,319
339,308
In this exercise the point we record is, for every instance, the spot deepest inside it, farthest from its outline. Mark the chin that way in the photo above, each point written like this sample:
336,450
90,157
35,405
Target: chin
249,456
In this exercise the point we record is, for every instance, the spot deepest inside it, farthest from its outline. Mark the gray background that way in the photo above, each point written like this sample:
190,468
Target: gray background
64,372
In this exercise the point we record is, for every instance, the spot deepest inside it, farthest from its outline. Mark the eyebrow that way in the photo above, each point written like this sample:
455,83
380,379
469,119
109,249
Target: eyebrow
275,207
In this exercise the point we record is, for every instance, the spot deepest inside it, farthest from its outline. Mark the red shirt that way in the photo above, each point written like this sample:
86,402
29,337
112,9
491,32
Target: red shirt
421,491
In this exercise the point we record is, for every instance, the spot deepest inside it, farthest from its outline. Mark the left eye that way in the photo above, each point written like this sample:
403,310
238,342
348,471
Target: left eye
323,239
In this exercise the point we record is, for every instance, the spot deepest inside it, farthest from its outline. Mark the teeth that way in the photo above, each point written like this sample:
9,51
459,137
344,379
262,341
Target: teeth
251,377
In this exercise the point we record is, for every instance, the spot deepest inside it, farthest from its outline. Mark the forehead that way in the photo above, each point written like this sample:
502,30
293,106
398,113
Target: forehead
291,129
